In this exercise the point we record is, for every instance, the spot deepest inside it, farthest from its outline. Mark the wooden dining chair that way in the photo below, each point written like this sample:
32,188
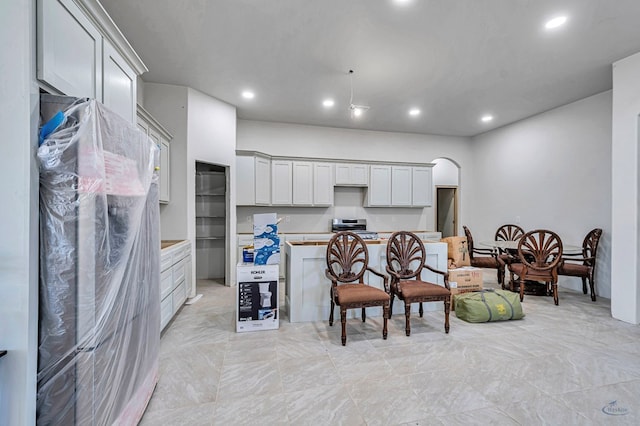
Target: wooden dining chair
484,258
540,255
406,259
347,262
583,264
508,232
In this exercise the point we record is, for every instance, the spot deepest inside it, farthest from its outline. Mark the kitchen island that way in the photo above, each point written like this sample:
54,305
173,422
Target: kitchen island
307,288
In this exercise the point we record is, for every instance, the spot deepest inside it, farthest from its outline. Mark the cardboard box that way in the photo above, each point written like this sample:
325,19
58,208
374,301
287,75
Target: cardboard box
464,280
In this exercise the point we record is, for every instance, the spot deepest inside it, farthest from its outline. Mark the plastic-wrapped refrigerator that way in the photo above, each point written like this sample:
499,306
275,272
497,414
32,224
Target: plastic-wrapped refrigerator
99,325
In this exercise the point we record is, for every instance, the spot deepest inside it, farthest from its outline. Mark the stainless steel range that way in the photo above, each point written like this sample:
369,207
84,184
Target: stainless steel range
357,226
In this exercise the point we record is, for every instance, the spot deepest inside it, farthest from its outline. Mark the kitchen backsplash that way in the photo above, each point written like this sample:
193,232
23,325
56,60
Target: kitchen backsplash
348,203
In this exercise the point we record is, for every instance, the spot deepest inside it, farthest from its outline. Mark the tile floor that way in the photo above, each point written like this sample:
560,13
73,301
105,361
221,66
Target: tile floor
561,365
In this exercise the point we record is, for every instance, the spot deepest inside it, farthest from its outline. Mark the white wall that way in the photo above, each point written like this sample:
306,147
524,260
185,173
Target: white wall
625,300
19,229
445,172
549,171
280,139
203,129
168,105
212,139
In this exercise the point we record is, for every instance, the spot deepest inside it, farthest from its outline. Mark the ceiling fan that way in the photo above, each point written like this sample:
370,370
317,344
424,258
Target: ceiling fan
356,110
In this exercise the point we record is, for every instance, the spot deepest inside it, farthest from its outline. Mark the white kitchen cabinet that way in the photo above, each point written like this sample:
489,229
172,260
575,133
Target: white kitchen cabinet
175,278
245,180
281,182
262,184
303,183
379,191
322,184
351,174
165,171
401,186
118,83
82,53
157,133
422,186
253,180
312,183
69,49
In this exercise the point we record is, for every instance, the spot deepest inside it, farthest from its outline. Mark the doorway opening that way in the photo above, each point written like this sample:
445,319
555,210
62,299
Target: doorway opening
211,221
447,210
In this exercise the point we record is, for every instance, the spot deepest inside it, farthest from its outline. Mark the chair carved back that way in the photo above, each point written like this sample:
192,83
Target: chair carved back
347,257
405,254
540,249
509,233
590,246
467,233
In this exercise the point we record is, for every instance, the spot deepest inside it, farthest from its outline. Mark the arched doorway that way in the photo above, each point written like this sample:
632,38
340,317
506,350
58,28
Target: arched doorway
446,179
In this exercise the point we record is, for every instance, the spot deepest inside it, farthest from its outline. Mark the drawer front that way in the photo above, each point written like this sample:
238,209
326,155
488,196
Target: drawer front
179,271
166,311
181,252
166,283
179,296
166,260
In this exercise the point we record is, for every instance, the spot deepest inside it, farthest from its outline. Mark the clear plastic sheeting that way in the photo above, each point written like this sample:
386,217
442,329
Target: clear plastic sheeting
99,330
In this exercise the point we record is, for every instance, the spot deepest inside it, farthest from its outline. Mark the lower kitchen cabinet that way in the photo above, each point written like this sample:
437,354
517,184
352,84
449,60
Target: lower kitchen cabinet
175,278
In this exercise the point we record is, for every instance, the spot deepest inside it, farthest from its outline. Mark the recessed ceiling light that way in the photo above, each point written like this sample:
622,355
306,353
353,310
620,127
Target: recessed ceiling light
357,111
555,22
414,112
403,1
486,118
248,94
328,103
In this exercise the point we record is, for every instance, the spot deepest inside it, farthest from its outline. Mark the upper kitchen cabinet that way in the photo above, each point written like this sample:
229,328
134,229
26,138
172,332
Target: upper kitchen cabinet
400,186
152,128
253,177
118,83
351,174
422,186
69,50
281,178
379,191
312,183
302,183
80,52
322,184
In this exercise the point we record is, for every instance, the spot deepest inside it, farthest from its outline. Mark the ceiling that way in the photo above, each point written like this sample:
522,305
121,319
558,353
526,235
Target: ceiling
455,60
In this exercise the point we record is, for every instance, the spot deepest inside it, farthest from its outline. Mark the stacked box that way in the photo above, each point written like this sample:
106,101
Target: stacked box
266,243
464,280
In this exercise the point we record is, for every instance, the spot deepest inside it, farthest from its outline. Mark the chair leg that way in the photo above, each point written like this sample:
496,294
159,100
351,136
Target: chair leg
333,305
392,296
407,314
343,319
364,315
385,318
501,276
593,289
521,281
555,292
447,308
420,310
